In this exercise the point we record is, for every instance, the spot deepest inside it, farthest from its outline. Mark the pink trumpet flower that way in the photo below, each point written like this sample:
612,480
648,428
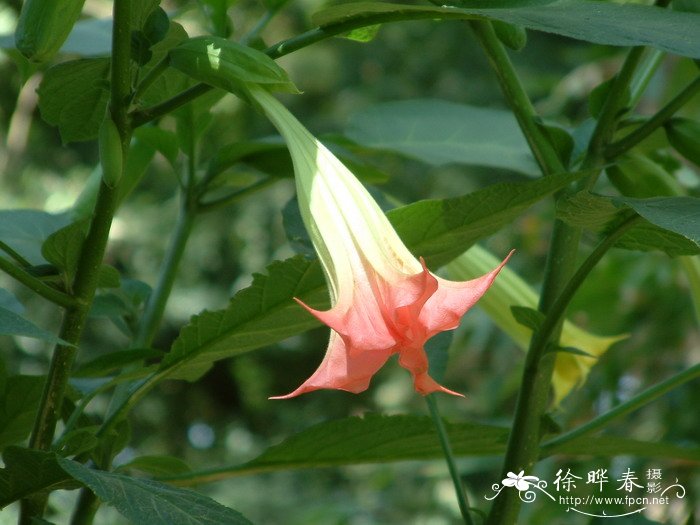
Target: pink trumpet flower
384,300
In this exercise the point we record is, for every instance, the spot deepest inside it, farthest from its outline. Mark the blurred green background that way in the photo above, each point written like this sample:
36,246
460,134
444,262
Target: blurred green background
226,418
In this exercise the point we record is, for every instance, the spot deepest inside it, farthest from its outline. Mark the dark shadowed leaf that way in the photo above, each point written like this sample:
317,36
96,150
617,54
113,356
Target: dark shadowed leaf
19,400
439,132
380,439
146,502
670,223
259,315
26,230
598,22
12,323
528,317
74,95
29,471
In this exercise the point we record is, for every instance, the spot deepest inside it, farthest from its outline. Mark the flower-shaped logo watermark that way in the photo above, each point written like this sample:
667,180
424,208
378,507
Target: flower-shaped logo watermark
523,484
519,481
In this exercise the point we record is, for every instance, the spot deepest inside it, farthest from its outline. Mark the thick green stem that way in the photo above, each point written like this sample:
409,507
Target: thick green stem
450,459
523,445
90,260
638,401
517,98
523,449
655,122
73,323
36,285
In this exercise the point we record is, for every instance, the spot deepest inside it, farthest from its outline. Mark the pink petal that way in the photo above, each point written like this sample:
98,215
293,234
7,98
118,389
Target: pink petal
340,371
453,299
387,314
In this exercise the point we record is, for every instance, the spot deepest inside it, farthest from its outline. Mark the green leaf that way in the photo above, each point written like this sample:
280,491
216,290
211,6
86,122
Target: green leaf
26,230
636,175
684,136
157,466
376,438
74,95
109,277
512,36
602,214
611,446
228,65
165,142
600,94
29,471
441,229
9,302
363,34
675,214
598,22
62,248
528,317
217,13
109,363
438,132
560,138
19,402
172,81
146,502
156,26
570,350
259,315
79,441
14,324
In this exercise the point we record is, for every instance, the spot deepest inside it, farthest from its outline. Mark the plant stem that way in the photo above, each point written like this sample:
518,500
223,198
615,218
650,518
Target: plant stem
226,200
646,71
89,262
614,105
691,265
638,401
151,77
449,458
517,98
36,285
12,253
653,123
155,306
139,118
560,304
292,44
523,444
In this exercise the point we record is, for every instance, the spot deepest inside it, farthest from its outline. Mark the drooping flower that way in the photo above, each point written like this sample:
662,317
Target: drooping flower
570,370
384,300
